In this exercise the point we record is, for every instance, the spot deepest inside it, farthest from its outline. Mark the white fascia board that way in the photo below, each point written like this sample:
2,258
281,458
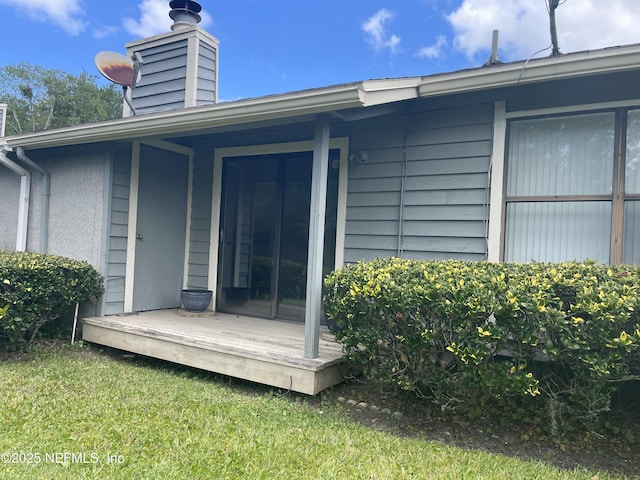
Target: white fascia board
199,118
378,92
552,68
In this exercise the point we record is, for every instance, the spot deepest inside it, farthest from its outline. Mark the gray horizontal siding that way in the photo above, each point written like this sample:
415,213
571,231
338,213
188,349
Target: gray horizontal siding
418,228
117,260
441,256
444,210
198,263
447,182
207,67
167,83
163,78
166,93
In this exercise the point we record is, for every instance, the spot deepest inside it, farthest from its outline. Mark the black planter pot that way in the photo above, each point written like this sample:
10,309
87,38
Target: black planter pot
195,300
332,325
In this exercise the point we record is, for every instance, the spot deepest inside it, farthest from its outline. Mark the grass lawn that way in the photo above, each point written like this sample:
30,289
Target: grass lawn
75,415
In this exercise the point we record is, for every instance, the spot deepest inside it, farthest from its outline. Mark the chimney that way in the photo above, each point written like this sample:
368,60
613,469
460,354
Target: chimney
179,68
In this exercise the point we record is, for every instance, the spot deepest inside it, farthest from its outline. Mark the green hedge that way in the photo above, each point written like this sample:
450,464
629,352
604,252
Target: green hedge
35,289
559,338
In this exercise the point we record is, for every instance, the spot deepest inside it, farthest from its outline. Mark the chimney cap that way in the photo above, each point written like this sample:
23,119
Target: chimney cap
185,11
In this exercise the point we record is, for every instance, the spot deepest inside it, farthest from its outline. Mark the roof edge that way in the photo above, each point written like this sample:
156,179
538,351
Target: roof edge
591,62
390,90
198,118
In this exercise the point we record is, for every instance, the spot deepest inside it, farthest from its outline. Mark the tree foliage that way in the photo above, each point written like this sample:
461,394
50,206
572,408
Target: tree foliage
40,99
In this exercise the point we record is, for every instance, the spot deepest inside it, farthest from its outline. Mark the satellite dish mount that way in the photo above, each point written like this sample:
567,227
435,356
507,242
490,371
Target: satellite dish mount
120,70
552,6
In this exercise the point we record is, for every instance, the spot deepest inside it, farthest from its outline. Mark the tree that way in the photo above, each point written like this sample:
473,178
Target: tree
39,98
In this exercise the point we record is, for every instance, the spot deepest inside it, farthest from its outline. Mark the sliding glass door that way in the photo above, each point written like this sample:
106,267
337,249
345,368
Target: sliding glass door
264,237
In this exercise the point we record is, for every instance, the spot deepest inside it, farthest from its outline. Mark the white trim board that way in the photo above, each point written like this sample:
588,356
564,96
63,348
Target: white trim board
132,225
497,182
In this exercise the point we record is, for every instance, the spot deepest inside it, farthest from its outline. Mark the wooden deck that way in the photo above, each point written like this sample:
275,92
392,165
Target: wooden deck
263,351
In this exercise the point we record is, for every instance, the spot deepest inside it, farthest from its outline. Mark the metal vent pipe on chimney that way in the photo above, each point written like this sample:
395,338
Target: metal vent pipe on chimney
184,13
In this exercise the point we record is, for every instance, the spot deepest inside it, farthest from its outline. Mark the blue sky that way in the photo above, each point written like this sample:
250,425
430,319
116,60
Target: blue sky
277,46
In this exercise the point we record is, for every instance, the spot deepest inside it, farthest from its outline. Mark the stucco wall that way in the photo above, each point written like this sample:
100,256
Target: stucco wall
76,210
9,198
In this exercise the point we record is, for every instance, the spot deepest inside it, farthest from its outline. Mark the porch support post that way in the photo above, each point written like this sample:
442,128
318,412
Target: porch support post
316,238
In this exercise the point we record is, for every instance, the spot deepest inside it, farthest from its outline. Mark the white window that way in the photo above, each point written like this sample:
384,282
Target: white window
572,188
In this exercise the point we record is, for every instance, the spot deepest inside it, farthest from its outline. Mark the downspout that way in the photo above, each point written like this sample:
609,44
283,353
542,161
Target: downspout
46,194
25,192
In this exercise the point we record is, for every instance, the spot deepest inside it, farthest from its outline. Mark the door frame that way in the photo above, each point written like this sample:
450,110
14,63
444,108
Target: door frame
219,155
133,212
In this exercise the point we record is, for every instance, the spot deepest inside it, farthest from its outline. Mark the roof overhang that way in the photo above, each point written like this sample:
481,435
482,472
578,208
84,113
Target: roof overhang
250,111
197,118
608,60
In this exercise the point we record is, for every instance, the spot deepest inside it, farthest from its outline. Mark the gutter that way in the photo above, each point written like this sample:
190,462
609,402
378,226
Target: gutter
572,65
172,122
46,195
25,193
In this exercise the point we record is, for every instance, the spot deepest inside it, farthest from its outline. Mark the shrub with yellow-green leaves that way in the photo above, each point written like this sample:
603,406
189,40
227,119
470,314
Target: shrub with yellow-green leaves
558,338
37,288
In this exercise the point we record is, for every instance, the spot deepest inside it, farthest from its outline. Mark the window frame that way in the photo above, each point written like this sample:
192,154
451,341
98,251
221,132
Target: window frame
500,165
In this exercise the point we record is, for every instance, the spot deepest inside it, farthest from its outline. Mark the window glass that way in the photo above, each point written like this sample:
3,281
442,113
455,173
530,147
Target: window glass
558,231
631,251
632,164
561,155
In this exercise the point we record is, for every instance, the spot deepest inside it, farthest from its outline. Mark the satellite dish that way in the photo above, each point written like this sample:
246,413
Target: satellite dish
120,70
116,68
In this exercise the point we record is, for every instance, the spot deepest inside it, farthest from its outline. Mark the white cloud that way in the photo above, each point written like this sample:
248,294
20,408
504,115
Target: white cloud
154,19
65,14
435,50
524,25
376,33
105,31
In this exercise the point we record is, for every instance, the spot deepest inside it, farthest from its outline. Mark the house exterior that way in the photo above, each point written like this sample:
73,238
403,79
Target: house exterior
257,199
